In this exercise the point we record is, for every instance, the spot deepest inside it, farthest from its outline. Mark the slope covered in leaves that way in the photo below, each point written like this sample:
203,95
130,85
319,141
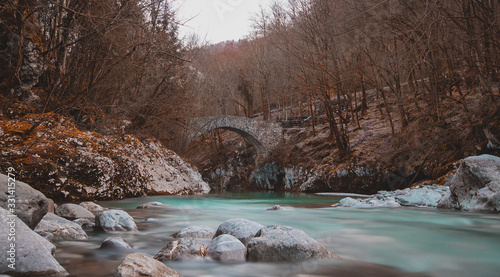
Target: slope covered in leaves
50,153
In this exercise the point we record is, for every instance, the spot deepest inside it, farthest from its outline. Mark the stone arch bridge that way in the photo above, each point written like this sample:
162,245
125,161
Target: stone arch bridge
263,135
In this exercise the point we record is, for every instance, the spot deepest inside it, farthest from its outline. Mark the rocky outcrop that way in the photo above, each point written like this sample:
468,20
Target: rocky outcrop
115,220
67,164
418,196
33,255
240,228
475,186
73,212
30,204
285,244
227,249
60,228
142,265
204,232
388,202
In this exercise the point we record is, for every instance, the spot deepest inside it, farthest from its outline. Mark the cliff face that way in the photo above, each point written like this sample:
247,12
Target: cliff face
67,164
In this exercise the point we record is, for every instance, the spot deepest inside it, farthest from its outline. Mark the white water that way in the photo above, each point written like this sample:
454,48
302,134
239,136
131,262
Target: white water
425,241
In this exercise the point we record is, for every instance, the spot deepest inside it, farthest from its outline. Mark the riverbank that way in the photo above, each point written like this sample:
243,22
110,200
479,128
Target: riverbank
378,241
223,234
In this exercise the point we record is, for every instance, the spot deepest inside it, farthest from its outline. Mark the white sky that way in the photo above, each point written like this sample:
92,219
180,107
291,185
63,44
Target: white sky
218,20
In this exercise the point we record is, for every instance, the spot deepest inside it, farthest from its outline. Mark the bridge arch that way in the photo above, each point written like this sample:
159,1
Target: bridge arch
263,135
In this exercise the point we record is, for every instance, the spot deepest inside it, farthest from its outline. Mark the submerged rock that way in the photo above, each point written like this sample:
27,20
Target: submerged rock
151,205
227,249
33,254
475,186
73,212
115,243
196,232
242,229
31,205
285,244
115,220
276,208
60,228
142,265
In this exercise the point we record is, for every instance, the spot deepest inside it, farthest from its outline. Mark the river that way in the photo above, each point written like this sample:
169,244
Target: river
376,242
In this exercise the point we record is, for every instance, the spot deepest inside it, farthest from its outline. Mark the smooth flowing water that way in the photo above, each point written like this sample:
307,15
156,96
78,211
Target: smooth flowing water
376,242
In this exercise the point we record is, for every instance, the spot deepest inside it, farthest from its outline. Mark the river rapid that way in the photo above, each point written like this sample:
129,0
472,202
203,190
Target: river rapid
374,242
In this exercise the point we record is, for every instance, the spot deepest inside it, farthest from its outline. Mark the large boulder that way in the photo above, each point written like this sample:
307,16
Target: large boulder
115,220
240,228
142,265
196,232
475,186
227,249
285,244
33,255
60,228
31,205
73,212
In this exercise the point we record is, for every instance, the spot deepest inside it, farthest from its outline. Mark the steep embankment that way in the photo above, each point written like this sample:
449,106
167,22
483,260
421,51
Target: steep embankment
49,152
308,161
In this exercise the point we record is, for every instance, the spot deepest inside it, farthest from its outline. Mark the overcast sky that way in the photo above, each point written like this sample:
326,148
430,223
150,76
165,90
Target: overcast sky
218,20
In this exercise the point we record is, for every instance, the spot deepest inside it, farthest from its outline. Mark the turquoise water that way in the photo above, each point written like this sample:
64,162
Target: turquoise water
421,241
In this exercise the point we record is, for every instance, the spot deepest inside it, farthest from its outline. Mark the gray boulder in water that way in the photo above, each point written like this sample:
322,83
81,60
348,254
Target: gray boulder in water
31,205
115,220
285,244
33,255
73,212
240,228
475,186
227,249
